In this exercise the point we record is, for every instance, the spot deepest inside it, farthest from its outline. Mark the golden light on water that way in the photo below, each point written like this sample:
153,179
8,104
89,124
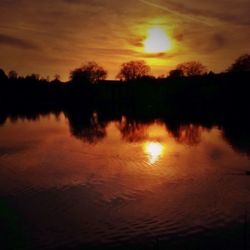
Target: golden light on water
157,41
154,151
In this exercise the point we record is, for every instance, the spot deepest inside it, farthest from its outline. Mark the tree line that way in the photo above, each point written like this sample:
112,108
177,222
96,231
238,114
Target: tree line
92,73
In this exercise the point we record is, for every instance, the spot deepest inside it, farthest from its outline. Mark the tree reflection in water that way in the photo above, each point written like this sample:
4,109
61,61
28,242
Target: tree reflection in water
132,130
86,126
90,126
189,134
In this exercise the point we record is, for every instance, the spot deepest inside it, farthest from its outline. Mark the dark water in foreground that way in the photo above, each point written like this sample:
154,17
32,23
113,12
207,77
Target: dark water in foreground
121,185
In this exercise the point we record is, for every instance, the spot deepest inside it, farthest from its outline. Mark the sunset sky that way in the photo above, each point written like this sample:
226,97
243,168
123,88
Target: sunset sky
55,36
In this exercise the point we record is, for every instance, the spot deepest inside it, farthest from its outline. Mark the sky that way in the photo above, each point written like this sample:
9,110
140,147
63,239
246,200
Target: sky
54,37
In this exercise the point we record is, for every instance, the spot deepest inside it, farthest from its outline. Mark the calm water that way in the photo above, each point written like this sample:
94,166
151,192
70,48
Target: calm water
82,184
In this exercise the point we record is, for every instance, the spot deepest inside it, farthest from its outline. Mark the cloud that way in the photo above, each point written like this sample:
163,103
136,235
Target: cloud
17,42
136,41
111,32
163,55
202,41
175,12
206,12
219,40
212,43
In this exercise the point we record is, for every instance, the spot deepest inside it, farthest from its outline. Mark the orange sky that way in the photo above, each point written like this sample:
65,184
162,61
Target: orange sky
49,37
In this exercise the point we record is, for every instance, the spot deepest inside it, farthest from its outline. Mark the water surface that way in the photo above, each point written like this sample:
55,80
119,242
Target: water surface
81,183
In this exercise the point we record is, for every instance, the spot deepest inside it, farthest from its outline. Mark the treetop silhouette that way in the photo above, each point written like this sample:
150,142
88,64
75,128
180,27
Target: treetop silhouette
133,70
192,68
89,73
241,64
3,76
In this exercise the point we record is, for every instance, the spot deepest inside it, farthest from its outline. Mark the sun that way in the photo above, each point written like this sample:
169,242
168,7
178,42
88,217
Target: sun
157,41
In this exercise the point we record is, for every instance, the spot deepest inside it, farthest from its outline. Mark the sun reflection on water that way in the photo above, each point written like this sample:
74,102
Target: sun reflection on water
154,151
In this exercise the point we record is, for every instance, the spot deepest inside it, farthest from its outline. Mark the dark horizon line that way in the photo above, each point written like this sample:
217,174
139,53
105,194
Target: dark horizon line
145,77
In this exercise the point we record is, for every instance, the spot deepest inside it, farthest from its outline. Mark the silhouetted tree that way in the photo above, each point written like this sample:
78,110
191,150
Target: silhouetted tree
88,73
33,77
211,73
3,76
45,79
161,77
192,68
241,64
57,77
133,70
12,75
176,73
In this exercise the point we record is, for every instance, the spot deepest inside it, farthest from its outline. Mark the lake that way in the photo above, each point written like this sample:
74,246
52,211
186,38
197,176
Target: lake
73,181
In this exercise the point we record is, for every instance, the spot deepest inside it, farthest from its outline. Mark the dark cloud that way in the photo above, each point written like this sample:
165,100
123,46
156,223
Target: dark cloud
153,55
179,37
218,41
17,42
209,43
212,43
136,41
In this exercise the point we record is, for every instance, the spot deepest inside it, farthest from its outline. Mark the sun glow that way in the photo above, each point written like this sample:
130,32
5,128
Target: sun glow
157,41
154,150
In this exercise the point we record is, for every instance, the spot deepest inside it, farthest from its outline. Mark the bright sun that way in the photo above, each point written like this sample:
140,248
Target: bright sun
157,41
